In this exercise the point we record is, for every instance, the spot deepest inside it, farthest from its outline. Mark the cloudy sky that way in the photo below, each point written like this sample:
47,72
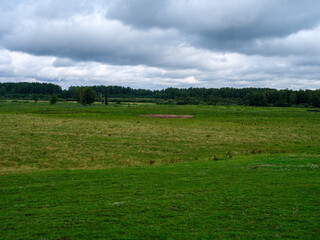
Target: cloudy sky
162,43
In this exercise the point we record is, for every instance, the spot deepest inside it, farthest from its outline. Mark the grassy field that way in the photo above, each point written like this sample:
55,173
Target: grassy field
74,172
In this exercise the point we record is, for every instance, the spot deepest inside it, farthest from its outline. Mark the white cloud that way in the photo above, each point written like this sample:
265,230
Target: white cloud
236,70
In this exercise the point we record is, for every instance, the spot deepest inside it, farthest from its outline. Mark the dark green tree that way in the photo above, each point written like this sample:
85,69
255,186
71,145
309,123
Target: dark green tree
85,95
316,99
2,91
53,99
105,99
35,97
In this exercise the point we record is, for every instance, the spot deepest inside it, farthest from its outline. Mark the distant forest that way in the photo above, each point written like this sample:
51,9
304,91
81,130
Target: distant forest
210,96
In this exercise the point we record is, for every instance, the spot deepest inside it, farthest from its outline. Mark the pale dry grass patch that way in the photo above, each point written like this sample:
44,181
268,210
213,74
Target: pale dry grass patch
38,141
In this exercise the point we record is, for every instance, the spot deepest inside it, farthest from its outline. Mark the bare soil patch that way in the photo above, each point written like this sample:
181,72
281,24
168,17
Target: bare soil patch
166,116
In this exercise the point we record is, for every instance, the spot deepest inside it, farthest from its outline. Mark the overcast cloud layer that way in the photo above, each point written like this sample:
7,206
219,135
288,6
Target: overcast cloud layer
162,43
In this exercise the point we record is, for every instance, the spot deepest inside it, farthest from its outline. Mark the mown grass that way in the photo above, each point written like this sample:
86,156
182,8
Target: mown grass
253,198
73,172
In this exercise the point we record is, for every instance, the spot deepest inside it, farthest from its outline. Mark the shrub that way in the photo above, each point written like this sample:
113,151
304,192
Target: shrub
53,99
85,95
35,97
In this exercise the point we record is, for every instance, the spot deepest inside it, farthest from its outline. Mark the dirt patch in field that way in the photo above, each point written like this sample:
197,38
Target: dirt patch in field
166,116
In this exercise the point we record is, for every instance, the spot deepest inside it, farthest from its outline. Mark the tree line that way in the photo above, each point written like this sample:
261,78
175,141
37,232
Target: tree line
211,96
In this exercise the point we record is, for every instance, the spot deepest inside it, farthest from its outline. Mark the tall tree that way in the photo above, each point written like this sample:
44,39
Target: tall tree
85,95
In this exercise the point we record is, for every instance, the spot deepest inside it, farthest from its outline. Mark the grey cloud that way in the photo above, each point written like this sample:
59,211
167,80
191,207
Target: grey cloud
148,32
303,43
62,9
64,62
220,25
92,38
145,43
257,18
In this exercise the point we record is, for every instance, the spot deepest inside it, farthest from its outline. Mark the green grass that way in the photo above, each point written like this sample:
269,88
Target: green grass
73,172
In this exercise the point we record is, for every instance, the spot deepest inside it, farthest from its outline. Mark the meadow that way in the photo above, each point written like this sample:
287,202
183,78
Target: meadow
105,172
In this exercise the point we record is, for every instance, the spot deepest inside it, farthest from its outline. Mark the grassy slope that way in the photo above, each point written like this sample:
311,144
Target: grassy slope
274,194
278,199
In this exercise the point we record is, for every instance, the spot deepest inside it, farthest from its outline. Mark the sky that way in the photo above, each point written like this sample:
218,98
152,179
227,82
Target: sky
155,44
